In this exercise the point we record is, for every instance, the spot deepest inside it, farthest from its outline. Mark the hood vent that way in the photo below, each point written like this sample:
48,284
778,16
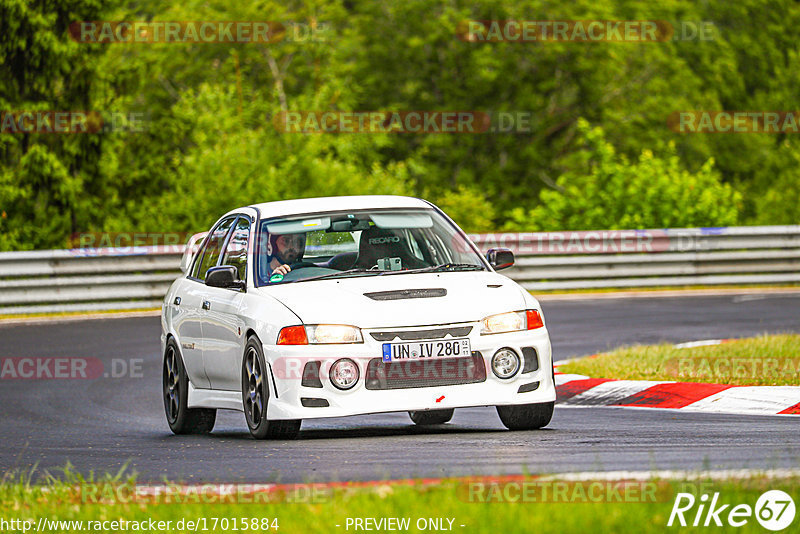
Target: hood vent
407,294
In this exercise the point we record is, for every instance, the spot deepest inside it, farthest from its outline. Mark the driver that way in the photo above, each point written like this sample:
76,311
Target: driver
283,250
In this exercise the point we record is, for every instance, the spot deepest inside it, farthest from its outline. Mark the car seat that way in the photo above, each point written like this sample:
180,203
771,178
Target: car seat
379,243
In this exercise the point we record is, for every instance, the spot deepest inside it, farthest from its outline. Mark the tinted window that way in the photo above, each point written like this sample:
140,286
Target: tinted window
198,258
366,243
236,251
213,248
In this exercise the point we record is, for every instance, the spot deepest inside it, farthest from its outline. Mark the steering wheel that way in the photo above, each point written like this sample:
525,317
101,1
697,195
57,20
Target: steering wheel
301,264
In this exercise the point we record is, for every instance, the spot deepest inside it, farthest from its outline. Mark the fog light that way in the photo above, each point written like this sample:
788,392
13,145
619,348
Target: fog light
344,373
505,363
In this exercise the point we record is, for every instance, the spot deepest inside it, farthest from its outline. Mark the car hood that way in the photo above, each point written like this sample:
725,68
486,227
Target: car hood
470,296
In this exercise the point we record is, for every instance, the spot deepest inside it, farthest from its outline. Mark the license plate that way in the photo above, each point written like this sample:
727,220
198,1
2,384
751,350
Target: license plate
446,348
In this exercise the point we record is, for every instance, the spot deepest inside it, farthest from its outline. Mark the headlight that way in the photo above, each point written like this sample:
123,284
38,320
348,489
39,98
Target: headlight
333,333
511,322
292,335
319,334
344,373
505,363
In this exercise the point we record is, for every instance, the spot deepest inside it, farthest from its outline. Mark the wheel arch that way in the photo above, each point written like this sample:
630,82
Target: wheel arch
252,332
273,386
171,336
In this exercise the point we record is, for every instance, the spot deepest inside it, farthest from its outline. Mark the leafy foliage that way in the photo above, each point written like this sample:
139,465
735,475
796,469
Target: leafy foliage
210,144
607,191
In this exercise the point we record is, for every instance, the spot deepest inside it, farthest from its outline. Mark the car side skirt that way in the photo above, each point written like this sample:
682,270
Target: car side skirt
214,398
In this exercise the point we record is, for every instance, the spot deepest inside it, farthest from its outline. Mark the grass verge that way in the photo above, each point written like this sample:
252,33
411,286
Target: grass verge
522,505
669,289
768,360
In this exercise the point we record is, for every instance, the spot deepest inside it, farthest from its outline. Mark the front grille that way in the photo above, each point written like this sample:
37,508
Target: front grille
425,373
415,335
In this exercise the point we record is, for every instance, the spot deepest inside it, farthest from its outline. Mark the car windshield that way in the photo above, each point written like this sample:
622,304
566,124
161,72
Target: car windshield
361,243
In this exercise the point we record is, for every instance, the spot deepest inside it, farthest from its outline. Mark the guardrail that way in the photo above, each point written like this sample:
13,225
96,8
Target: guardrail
649,258
133,278
86,279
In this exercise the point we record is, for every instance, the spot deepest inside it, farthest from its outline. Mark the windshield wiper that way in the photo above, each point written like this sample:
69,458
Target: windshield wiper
340,273
447,267
432,269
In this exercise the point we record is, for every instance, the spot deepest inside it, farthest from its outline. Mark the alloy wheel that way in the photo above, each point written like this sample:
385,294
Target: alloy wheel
254,399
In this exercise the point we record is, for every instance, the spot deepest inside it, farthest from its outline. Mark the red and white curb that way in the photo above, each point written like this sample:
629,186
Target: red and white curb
579,390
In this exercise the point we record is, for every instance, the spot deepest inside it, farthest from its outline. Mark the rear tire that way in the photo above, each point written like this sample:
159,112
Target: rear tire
431,417
255,397
526,416
175,387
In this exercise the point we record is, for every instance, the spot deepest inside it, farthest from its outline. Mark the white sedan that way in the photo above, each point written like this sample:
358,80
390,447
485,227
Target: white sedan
327,307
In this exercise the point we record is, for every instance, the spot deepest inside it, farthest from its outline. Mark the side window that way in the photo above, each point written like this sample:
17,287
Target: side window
236,251
198,259
431,247
213,248
412,243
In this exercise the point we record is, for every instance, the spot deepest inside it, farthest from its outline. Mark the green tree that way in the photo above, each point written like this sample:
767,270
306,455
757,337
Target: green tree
210,143
50,185
468,207
608,191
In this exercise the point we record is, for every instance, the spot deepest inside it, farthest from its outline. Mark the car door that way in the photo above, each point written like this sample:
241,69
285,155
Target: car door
195,297
186,304
223,329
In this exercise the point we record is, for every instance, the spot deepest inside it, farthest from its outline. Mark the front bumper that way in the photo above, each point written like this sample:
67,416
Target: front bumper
287,362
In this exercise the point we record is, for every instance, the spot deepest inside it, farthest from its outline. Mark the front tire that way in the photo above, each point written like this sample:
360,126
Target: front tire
526,416
431,417
255,397
175,385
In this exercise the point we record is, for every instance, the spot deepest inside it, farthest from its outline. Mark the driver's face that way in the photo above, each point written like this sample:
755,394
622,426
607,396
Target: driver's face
291,246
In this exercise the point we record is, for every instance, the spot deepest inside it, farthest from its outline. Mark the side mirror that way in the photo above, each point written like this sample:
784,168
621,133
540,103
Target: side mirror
500,258
223,276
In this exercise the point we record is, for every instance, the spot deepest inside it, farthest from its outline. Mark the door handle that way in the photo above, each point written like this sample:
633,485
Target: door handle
206,305
177,301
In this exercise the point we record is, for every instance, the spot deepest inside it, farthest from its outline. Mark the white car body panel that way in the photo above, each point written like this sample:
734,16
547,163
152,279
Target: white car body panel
222,338
469,298
359,400
212,341
185,323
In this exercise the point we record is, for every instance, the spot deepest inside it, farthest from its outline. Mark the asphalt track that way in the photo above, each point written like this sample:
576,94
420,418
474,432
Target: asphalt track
104,424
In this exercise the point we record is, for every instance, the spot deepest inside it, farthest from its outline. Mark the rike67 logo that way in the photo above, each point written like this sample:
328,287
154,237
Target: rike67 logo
774,510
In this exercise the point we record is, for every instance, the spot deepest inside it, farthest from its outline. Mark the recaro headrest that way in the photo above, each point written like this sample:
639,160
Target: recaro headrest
384,243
